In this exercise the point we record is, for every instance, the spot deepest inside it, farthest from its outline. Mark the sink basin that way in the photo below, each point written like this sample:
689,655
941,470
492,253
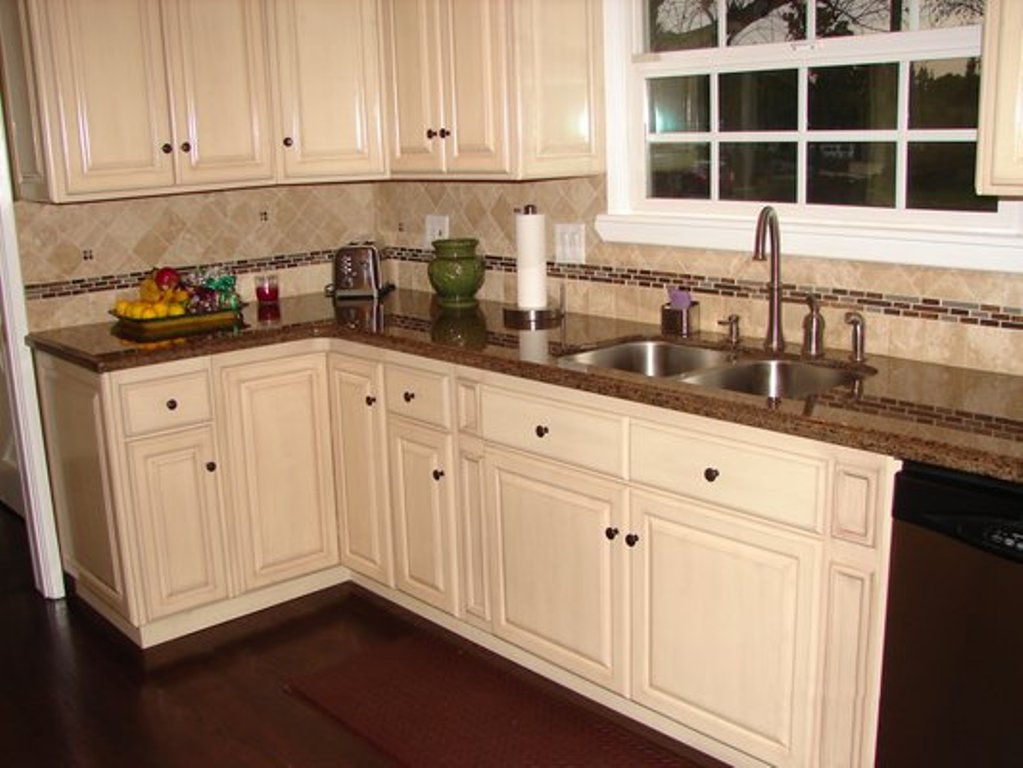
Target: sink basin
776,378
651,357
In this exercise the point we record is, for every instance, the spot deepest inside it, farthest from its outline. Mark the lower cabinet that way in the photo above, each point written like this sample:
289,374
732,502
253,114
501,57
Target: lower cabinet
558,562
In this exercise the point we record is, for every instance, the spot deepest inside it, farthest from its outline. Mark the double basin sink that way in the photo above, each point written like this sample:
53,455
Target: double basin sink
732,370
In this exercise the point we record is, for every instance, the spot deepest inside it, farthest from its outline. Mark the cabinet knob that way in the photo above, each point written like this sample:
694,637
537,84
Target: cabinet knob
409,396
438,474
288,141
172,404
610,532
431,134
631,539
710,474
370,399
444,133
211,466
167,148
541,430
186,147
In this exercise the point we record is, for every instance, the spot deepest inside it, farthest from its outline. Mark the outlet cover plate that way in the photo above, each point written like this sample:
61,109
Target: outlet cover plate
570,243
436,229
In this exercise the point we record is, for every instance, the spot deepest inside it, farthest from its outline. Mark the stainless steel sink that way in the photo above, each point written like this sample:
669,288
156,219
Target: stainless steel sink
776,378
650,357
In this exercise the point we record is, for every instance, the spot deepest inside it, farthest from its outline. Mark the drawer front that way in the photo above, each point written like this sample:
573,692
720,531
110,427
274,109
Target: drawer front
418,394
172,401
761,480
587,438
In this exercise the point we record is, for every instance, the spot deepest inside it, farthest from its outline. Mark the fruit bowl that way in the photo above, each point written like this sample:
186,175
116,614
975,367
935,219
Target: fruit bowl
168,327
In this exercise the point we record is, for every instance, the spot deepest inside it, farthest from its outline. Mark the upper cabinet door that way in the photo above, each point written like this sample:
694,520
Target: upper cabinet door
217,54
107,108
328,76
1000,131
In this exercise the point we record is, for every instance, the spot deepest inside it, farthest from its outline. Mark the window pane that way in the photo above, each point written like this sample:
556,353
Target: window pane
681,25
679,171
859,96
758,101
941,177
751,22
679,104
936,14
842,18
758,172
944,93
851,174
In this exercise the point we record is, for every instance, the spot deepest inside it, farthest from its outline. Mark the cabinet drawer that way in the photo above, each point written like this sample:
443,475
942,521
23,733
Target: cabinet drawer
174,399
418,394
764,480
587,438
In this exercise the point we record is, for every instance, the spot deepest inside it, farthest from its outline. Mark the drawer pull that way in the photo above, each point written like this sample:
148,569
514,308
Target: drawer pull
166,148
211,466
631,539
409,396
172,404
438,474
430,133
288,141
186,147
610,533
370,399
541,430
710,474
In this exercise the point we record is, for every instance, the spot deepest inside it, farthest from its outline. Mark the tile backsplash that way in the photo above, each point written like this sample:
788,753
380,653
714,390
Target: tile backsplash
77,258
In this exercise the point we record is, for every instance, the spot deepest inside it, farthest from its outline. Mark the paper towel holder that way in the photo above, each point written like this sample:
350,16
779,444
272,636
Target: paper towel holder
520,319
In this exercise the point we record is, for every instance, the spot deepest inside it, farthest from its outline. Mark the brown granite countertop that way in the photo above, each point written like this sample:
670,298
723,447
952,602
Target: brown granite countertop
954,417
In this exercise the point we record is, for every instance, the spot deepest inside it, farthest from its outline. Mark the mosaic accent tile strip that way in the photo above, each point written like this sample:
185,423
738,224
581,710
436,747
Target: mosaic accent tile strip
944,310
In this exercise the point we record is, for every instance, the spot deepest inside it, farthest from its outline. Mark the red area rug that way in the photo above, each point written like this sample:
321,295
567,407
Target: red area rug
424,701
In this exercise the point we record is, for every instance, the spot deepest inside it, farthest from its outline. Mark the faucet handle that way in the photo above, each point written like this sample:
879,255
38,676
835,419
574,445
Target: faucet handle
732,321
859,327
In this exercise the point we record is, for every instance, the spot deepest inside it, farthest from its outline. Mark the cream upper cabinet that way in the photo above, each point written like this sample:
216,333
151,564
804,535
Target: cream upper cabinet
328,89
278,462
467,91
1000,130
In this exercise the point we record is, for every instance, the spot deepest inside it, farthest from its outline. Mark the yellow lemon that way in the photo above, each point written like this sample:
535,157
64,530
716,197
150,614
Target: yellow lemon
148,313
135,310
160,309
175,310
121,308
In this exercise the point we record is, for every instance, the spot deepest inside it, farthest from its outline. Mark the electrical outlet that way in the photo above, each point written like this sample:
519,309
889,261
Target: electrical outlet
436,229
569,243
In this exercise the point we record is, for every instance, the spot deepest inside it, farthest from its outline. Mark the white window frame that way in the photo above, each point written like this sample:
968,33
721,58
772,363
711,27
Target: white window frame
959,240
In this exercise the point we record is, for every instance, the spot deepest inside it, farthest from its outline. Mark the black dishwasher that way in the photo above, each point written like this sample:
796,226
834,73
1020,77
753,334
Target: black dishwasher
952,679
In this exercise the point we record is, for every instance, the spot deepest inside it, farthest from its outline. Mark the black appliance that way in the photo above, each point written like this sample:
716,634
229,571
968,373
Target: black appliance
952,677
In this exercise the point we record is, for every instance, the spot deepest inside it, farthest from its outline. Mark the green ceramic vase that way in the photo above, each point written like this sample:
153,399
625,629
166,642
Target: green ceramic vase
456,272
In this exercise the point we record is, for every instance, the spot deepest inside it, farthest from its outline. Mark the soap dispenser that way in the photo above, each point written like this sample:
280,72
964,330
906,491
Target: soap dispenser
813,329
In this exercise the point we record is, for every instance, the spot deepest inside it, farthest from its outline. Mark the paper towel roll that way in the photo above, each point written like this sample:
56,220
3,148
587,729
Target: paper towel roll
530,244
533,346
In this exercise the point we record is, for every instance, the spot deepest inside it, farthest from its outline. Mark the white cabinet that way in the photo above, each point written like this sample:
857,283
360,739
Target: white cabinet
360,465
278,462
471,91
1000,130
327,65
136,95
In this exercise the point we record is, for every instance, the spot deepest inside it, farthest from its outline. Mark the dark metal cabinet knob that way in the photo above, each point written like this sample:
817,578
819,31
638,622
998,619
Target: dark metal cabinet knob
444,133
541,430
288,141
211,466
610,532
631,539
167,148
408,397
370,399
186,147
431,134
710,474
438,474
172,404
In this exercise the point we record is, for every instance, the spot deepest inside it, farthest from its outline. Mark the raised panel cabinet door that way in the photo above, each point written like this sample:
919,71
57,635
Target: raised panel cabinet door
328,76
422,499
415,101
723,623
474,35
279,468
106,96
558,557
220,87
1000,126
360,457
179,521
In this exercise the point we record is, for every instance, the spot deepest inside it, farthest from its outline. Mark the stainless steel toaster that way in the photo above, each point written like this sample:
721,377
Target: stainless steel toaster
357,273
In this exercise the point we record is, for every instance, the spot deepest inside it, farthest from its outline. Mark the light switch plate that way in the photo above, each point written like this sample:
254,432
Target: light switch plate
436,229
569,243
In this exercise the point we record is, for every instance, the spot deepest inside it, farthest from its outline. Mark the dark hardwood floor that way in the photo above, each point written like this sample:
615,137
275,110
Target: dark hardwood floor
75,693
